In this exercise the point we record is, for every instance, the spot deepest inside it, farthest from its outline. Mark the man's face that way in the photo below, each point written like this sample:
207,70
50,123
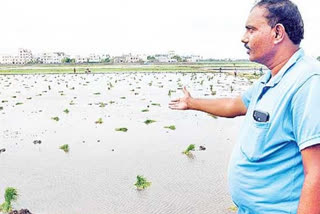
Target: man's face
258,38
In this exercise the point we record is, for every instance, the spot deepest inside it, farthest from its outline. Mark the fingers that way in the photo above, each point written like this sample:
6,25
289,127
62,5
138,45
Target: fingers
175,100
174,106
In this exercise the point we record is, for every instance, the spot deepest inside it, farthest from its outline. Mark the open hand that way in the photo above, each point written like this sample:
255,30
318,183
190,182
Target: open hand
181,103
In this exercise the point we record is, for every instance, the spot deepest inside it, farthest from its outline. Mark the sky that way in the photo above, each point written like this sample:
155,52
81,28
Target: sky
210,28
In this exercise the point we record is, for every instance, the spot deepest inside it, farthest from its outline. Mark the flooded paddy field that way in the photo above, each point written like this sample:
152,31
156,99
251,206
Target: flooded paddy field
39,113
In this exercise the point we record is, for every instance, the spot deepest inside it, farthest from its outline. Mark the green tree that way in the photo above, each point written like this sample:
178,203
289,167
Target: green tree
66,60
107,60
177,57
151,58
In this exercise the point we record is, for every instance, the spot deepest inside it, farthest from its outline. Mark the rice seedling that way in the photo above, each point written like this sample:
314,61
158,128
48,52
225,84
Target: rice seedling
155,104
123,98
66,111
19,103
4,101
99,121
65,148
111,102
102,105
121,129
29,98
149,121
10,195
142,182
1,108
189,148
172,127
97,93
144,110
55,118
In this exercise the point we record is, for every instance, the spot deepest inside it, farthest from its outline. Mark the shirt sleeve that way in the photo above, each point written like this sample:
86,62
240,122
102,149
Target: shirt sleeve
306,113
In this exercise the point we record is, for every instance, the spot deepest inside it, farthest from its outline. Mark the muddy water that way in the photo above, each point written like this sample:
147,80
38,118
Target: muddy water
98,174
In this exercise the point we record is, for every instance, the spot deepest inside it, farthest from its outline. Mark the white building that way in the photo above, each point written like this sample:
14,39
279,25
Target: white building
143,57
119,59
51,57
80,59
132,58
164,58
94,58
6,59
193,58
24,56
171,54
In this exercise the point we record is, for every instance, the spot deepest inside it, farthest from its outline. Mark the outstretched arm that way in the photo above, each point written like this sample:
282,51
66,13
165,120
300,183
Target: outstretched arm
222,107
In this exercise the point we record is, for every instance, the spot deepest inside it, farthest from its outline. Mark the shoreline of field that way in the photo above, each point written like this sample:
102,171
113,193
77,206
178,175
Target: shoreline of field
103,68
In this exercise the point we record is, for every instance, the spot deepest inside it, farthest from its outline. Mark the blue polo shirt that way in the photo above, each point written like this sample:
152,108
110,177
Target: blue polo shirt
265,170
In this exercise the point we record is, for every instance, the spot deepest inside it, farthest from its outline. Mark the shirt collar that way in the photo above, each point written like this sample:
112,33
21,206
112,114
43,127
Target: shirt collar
276,79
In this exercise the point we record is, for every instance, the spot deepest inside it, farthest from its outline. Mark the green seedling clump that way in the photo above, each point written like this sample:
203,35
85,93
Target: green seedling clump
149,121
142,182
55,118
66,111
121,129
64,147
9,196
145,110
102,105
155,104
99,121
190,148
172,127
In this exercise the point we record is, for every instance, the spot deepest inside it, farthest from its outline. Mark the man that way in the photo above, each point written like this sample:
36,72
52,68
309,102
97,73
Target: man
275,166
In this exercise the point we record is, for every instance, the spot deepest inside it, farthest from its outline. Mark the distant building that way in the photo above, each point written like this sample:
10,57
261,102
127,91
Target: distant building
24,56
171,54
164,58
51,57
6,59
119,59
80,59
131,58
94,58
127,59
193,58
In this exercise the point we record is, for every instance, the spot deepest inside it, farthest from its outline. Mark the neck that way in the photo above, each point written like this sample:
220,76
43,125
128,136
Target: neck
281,57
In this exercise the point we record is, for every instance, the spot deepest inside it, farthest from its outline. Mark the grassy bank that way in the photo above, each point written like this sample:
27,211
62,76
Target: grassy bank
100,68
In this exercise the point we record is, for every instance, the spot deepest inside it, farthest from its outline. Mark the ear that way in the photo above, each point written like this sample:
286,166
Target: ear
279,33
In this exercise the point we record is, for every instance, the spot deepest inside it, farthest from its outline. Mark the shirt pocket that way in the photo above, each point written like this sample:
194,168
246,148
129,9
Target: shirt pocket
254,144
